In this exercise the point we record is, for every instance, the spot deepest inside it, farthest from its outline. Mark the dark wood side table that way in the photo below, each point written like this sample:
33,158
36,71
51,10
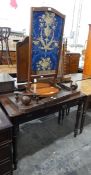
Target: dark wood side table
5,145
19,114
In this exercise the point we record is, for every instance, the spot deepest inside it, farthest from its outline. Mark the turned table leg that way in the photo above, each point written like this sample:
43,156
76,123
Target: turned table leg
83,114
79,110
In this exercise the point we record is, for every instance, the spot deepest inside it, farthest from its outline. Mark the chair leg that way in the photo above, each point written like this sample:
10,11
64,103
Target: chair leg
8,52
62,112
59,116
67,111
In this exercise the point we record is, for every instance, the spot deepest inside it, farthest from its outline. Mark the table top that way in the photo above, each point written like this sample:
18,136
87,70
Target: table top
83,82
85,86
10,69
14,108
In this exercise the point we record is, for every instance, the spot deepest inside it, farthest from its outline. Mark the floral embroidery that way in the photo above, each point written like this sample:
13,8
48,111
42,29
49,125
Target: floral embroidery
47,30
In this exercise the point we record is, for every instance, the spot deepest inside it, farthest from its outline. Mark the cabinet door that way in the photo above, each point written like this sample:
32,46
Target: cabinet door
5,145
74,62
5,168
5,152
5,136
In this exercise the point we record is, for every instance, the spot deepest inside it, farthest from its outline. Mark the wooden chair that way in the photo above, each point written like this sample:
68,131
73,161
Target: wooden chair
5,53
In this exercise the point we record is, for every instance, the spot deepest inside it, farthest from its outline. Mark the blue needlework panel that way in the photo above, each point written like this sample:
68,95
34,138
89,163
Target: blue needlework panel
47,28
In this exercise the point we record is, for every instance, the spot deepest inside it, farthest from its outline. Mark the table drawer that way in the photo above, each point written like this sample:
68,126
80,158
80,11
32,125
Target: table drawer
5,152
50,110
43,112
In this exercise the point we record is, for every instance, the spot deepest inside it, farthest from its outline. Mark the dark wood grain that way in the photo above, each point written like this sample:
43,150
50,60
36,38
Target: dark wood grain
71,63
5,145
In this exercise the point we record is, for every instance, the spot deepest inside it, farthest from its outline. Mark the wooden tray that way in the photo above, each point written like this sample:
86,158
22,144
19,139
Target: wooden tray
44,89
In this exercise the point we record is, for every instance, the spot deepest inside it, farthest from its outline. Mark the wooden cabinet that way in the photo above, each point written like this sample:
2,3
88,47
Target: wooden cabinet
5,145
71,63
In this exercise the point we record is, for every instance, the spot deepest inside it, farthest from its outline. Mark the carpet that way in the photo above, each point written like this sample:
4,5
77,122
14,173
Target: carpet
46,148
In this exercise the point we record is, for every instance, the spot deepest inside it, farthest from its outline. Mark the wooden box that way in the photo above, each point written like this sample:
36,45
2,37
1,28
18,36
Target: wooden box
6,83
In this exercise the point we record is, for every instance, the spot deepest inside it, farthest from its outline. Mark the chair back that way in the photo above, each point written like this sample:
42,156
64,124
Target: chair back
4,33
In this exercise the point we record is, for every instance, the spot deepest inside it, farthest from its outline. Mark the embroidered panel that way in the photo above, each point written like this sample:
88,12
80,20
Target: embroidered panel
47,32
